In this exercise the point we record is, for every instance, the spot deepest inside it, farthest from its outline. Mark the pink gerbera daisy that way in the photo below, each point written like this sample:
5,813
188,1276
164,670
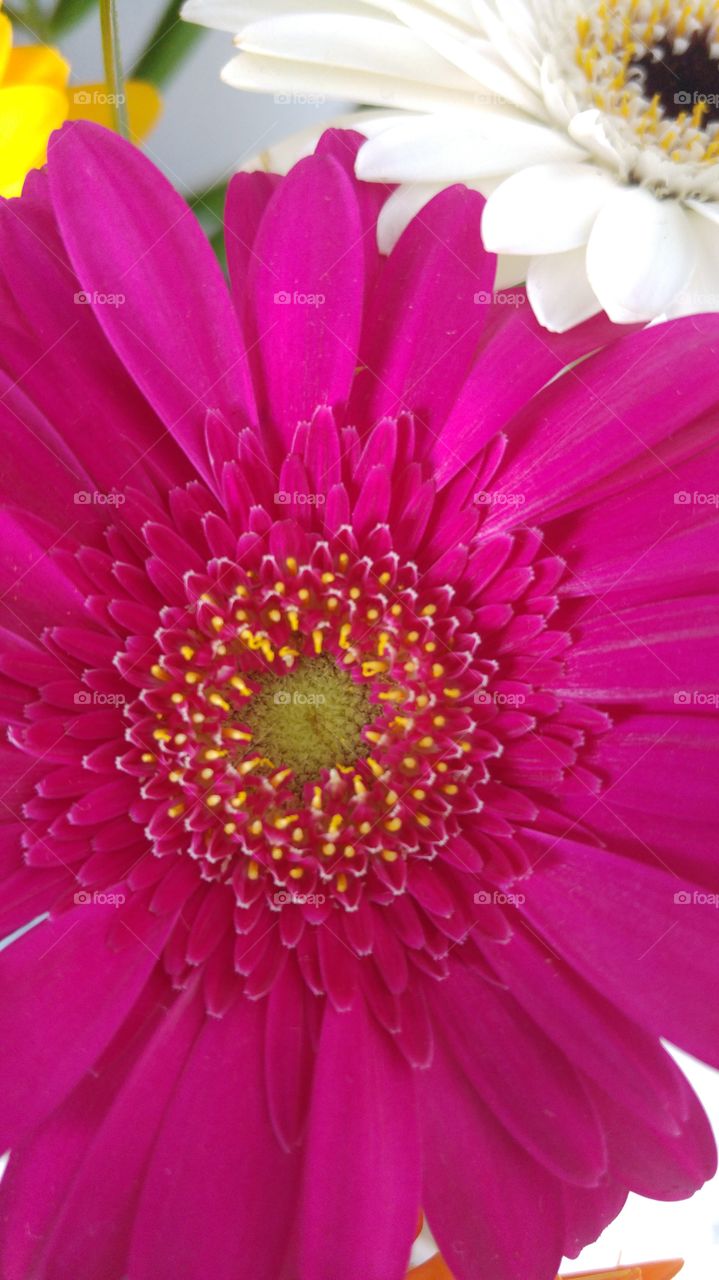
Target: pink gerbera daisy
360,675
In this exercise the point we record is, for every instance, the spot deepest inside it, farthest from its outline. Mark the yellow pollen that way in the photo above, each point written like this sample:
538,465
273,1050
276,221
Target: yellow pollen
217,622
277,853
162,735
342,883
191,677
297,873
393,824
390,855
317,641
230,828
329,849
147,757
176,810
187,653
238,800
177,698
291,564
214,800
253,871
349,851
159,672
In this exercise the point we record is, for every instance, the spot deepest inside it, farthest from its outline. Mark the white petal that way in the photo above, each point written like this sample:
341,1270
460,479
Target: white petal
511,270
548,208
233,15
513,41
702,295
559,291
587,129
475,57
282,155
375,45
399,210
707,208
640,255
457,147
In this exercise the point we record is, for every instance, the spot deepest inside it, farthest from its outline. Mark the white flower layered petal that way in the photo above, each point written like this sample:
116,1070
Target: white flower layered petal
402,206
511,270
559,291
640,256
708,209
702,295
511,35
475,57
458,147
548,208
282,155
366,59
589,131
233,15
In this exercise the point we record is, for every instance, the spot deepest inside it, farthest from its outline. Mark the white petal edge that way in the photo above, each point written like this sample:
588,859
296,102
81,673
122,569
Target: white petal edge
559,292
547,208
702,295
640,255
400,208
708,209
462,146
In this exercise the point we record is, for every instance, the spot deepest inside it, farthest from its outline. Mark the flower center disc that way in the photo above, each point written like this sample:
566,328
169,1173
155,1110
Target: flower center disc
681,74
310,719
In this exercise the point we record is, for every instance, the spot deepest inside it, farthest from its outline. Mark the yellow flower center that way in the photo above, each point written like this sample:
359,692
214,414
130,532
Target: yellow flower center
653,65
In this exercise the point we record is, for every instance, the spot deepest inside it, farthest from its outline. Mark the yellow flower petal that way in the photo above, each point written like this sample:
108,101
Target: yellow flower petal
28,115
5,42
92,102
37,64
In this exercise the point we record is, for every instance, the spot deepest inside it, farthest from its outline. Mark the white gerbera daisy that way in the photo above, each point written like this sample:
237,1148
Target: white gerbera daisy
592,126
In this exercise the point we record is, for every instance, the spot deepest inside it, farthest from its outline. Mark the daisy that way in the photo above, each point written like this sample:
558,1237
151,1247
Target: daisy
35,99
360,685
592,127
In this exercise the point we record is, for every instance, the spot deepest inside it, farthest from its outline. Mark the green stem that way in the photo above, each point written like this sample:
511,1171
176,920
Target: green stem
113,66
168,46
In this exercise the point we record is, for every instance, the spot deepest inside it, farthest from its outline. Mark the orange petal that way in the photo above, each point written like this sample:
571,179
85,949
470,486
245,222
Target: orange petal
640,1271
37,64
92,102
436,1269
433,1269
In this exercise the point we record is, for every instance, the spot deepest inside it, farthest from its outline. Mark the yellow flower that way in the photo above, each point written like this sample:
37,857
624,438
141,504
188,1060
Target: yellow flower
35,99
